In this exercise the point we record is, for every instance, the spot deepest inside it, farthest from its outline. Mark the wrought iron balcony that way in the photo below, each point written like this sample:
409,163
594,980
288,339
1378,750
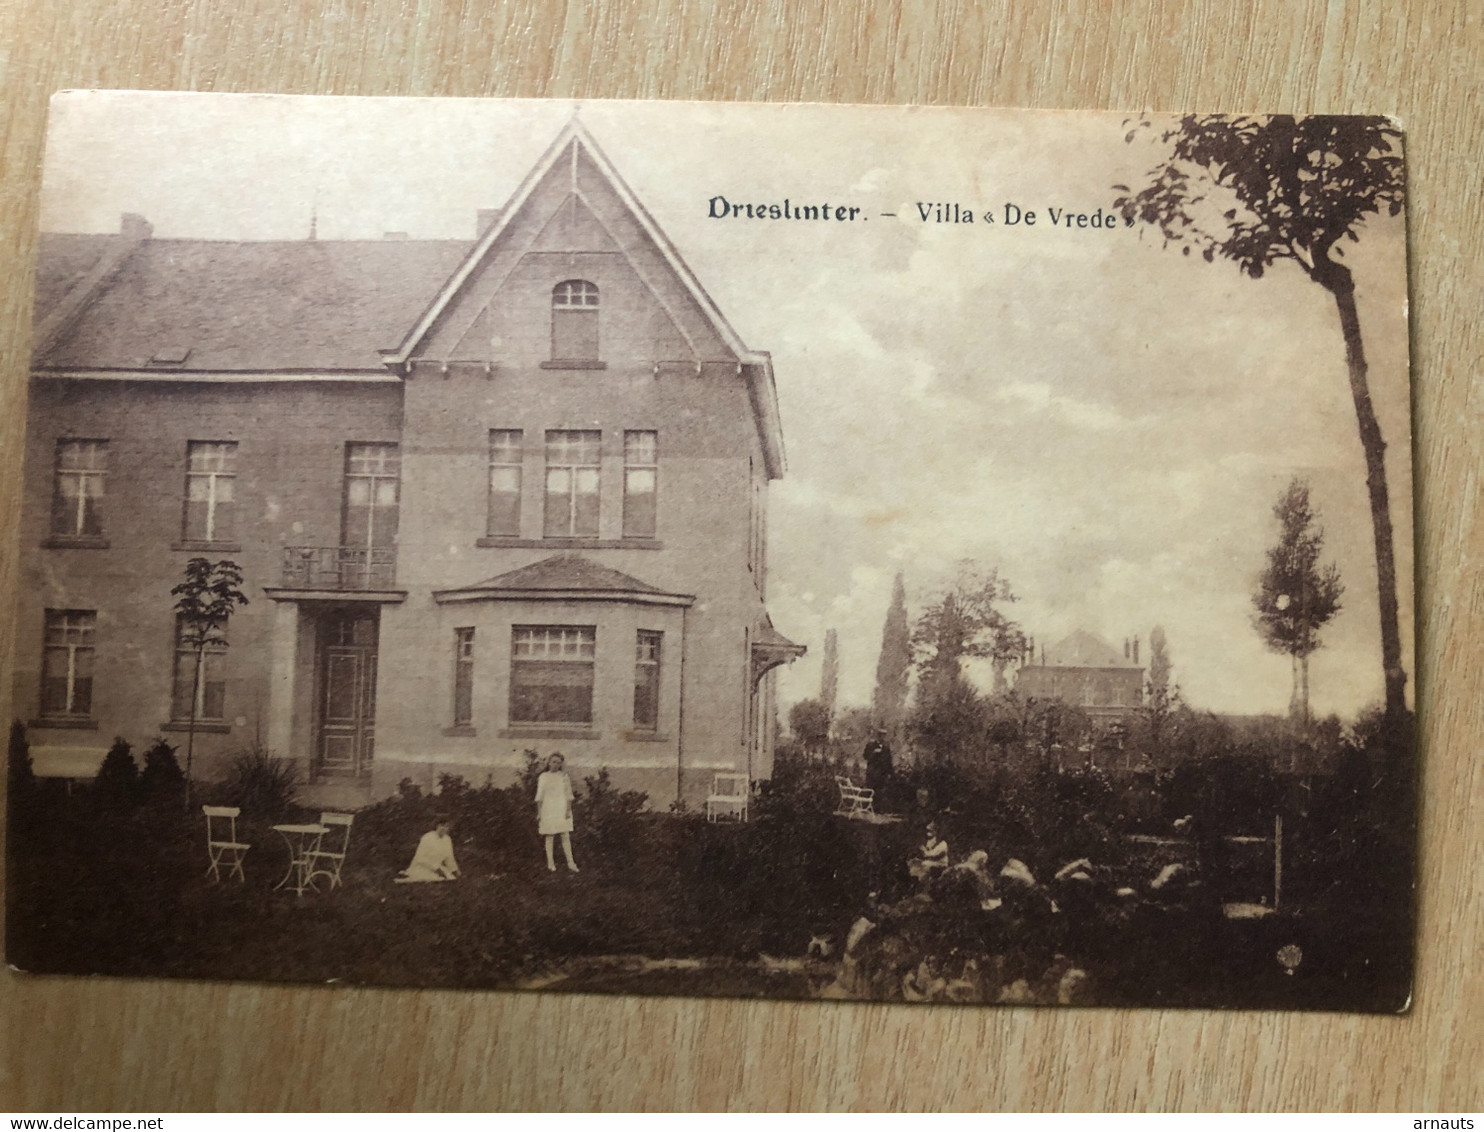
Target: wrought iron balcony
349,568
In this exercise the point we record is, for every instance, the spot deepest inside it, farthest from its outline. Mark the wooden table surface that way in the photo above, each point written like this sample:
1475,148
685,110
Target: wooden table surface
100,1045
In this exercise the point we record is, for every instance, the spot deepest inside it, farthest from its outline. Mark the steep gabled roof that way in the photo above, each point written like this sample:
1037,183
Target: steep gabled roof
1086,650
564,577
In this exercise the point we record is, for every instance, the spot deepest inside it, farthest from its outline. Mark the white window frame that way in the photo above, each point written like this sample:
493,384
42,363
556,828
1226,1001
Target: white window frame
217,481
182,675
641,458
568,455
648,661
87,468
507,455
463,676
553,644
78,633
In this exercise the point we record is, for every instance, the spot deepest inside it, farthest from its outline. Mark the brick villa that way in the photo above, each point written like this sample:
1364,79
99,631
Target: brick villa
487,497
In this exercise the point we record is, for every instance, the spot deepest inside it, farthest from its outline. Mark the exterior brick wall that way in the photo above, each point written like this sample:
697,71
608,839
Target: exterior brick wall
290,438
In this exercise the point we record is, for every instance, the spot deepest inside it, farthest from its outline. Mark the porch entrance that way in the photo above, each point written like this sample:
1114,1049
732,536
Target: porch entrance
346,707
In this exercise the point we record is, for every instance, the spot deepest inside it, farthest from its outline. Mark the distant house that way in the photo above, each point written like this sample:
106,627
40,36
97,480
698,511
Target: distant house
489,496
1086,672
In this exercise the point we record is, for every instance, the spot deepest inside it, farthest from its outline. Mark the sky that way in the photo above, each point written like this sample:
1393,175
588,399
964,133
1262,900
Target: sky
1104,420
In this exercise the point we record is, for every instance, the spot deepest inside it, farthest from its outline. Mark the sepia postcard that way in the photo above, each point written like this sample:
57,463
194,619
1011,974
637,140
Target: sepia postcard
824,552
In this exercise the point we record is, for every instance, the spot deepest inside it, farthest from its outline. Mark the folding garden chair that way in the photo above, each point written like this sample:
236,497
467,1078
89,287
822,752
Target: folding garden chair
327,858
228,852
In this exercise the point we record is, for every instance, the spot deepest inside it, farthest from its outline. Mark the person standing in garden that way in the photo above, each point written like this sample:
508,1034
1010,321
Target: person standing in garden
554,810
877,757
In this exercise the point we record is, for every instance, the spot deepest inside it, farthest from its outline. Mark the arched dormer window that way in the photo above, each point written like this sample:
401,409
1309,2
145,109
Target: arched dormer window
574,321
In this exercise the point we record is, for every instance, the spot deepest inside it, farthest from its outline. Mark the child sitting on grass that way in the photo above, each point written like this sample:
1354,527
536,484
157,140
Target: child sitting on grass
434,857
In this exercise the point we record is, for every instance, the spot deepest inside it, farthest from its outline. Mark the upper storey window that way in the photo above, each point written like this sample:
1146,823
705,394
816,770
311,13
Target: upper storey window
211,476
640,481
506,455
77,492
572,472
574,321
368,516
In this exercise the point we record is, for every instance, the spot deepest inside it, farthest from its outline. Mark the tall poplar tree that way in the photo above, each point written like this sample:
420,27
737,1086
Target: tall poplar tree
1295,596
889,702
1161,697
829,677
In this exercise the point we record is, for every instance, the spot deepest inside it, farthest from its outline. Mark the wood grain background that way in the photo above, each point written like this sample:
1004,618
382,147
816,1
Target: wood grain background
90,1045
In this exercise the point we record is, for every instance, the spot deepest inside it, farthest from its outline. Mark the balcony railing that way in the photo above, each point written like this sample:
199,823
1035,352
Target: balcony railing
348,568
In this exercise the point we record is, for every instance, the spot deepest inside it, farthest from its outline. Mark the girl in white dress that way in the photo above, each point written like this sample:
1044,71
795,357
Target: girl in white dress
554,810
434,858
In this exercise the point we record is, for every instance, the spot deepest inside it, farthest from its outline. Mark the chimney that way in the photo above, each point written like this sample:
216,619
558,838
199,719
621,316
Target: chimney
1136,648
135,227
486,219
1125,648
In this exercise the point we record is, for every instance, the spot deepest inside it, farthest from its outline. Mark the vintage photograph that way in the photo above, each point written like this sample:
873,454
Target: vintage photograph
792,551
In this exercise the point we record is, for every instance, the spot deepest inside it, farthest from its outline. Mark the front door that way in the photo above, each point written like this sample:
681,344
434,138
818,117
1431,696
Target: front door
347,693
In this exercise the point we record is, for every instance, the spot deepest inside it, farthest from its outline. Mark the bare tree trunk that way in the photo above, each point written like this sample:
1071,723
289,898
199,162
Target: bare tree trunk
1293,694
191,727
1342,286
1304,689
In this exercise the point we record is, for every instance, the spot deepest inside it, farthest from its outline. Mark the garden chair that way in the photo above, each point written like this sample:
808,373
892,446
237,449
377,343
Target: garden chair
855,801
327,858
228,851
729,794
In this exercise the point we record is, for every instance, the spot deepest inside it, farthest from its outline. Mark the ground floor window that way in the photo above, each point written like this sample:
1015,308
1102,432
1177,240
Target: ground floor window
67,662
647,680
463,677
551,673
211,693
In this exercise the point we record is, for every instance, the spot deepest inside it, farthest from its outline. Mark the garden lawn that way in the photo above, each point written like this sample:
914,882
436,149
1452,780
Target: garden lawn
130,897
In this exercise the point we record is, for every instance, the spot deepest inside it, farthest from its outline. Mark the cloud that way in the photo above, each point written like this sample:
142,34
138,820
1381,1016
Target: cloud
1037,397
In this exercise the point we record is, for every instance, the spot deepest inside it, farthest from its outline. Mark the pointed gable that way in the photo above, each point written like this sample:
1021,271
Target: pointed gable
574,219
574,203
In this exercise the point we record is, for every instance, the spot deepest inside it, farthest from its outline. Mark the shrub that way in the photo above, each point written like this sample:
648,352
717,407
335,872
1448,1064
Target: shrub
23,795
525,783
264,786
799,785
20,772
607,818
162,779
492,827
116,785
